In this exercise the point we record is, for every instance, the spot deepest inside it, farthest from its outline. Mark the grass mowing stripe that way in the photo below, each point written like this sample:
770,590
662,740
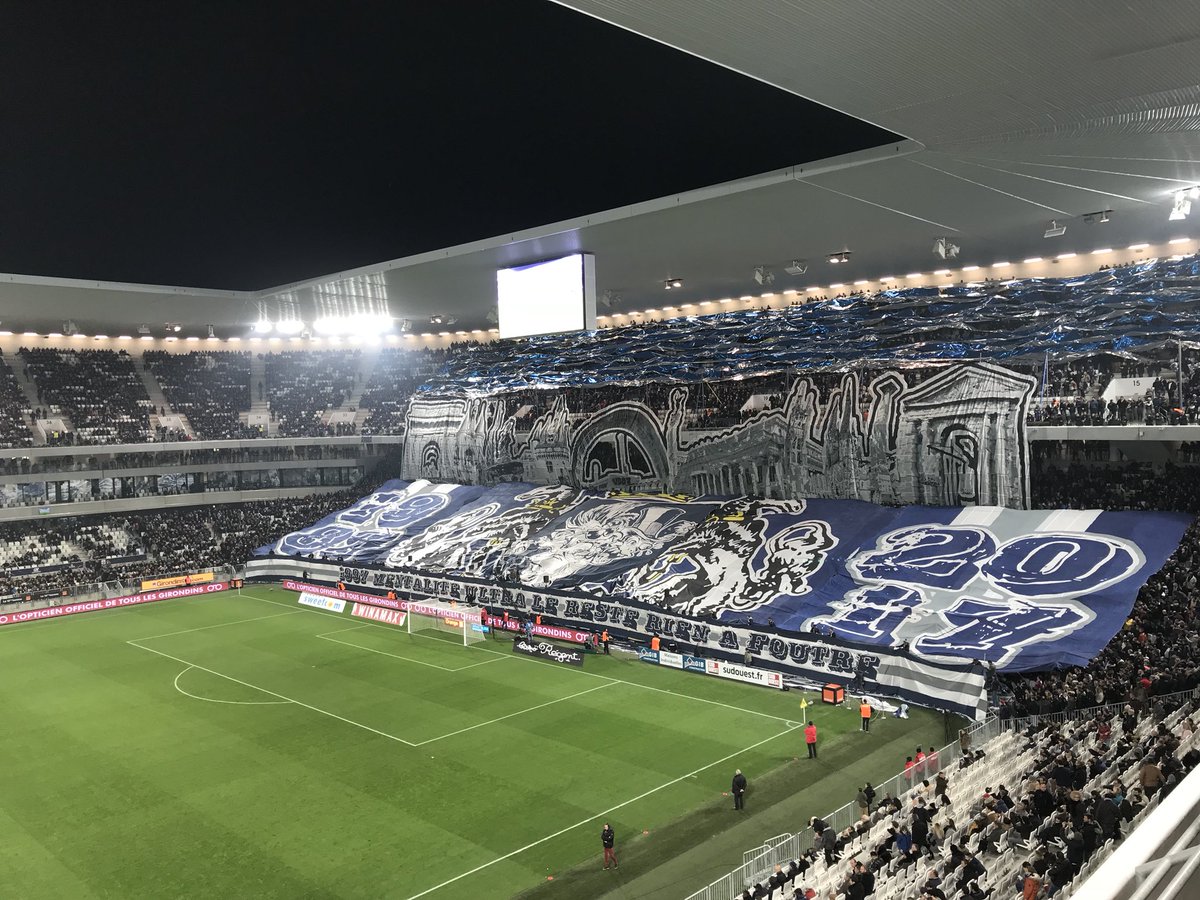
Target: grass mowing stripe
293,805
155,637
601,815
325,637
324,712
555,666
519,712
229,702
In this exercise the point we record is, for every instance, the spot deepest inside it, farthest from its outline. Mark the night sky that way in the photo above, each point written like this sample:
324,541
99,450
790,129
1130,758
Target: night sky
248,144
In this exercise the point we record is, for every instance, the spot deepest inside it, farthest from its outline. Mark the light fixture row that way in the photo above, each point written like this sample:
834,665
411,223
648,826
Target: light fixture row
813,289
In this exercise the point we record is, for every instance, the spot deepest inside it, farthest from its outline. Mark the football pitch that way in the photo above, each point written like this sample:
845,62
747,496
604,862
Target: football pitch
246,746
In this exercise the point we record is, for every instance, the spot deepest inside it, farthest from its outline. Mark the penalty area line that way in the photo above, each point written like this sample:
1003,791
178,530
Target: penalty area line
599,815
519,712
316,709
539,662
155,637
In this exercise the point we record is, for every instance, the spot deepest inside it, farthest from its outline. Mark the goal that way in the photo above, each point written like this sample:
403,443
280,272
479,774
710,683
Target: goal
457,623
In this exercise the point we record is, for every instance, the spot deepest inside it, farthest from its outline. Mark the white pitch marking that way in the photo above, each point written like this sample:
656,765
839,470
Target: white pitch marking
340,630
519,712
316,709
405,658
155,637
555,666
231,702
599,815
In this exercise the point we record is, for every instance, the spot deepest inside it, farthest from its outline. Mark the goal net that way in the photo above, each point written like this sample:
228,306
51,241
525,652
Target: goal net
457,623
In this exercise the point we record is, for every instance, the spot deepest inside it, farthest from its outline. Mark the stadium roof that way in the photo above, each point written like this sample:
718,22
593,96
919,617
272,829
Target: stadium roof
1013,115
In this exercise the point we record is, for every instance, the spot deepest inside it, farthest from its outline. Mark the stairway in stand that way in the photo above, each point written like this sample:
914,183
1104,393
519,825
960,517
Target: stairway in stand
167,417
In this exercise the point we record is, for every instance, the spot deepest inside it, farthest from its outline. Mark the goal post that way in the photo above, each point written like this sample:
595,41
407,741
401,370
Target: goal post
458,623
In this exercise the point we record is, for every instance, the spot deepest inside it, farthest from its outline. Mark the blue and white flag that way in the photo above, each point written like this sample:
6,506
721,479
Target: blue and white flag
478,538
1026,590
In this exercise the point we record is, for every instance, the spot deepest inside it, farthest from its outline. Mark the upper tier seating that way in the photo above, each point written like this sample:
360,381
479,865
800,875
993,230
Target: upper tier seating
100,390
302,385
209,387
14,432
1118,327
98,548
398,373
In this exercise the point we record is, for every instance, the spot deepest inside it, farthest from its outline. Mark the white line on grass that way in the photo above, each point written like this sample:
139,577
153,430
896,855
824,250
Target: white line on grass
519,712
556,666
419,662
636,684
341,630
231,702
155,637
316,709
599,815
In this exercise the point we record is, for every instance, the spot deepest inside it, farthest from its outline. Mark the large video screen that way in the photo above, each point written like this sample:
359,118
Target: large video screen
547,297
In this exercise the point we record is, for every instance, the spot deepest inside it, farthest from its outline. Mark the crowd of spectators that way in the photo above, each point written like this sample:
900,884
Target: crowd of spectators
210,388
398,373
303,385
100,390
1156,650
14,430
96,549
103,399
1073,393
955,830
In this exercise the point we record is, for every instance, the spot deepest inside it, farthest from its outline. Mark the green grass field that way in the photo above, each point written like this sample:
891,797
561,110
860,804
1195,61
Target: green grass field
245,746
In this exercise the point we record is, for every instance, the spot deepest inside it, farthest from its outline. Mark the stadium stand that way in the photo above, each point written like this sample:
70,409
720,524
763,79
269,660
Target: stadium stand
1156,651
78,551
210,388
959,833
398,373
14,410
1088,382
100,390
303,385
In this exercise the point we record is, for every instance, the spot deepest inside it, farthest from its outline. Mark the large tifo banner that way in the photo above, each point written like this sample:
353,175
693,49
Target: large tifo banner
1023,589
941,434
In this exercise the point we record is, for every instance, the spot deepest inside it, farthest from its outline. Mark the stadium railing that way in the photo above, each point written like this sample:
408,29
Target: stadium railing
1108,710
758,862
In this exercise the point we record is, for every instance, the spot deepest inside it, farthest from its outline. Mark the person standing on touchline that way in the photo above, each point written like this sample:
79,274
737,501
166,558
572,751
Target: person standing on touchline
608,838
739,790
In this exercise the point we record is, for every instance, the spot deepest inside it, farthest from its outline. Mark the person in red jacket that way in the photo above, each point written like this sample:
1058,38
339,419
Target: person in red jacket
810,738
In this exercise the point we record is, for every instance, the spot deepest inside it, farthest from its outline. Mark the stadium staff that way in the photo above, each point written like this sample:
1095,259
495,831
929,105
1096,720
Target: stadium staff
864,710
604,639
739,790
810,738
608,838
